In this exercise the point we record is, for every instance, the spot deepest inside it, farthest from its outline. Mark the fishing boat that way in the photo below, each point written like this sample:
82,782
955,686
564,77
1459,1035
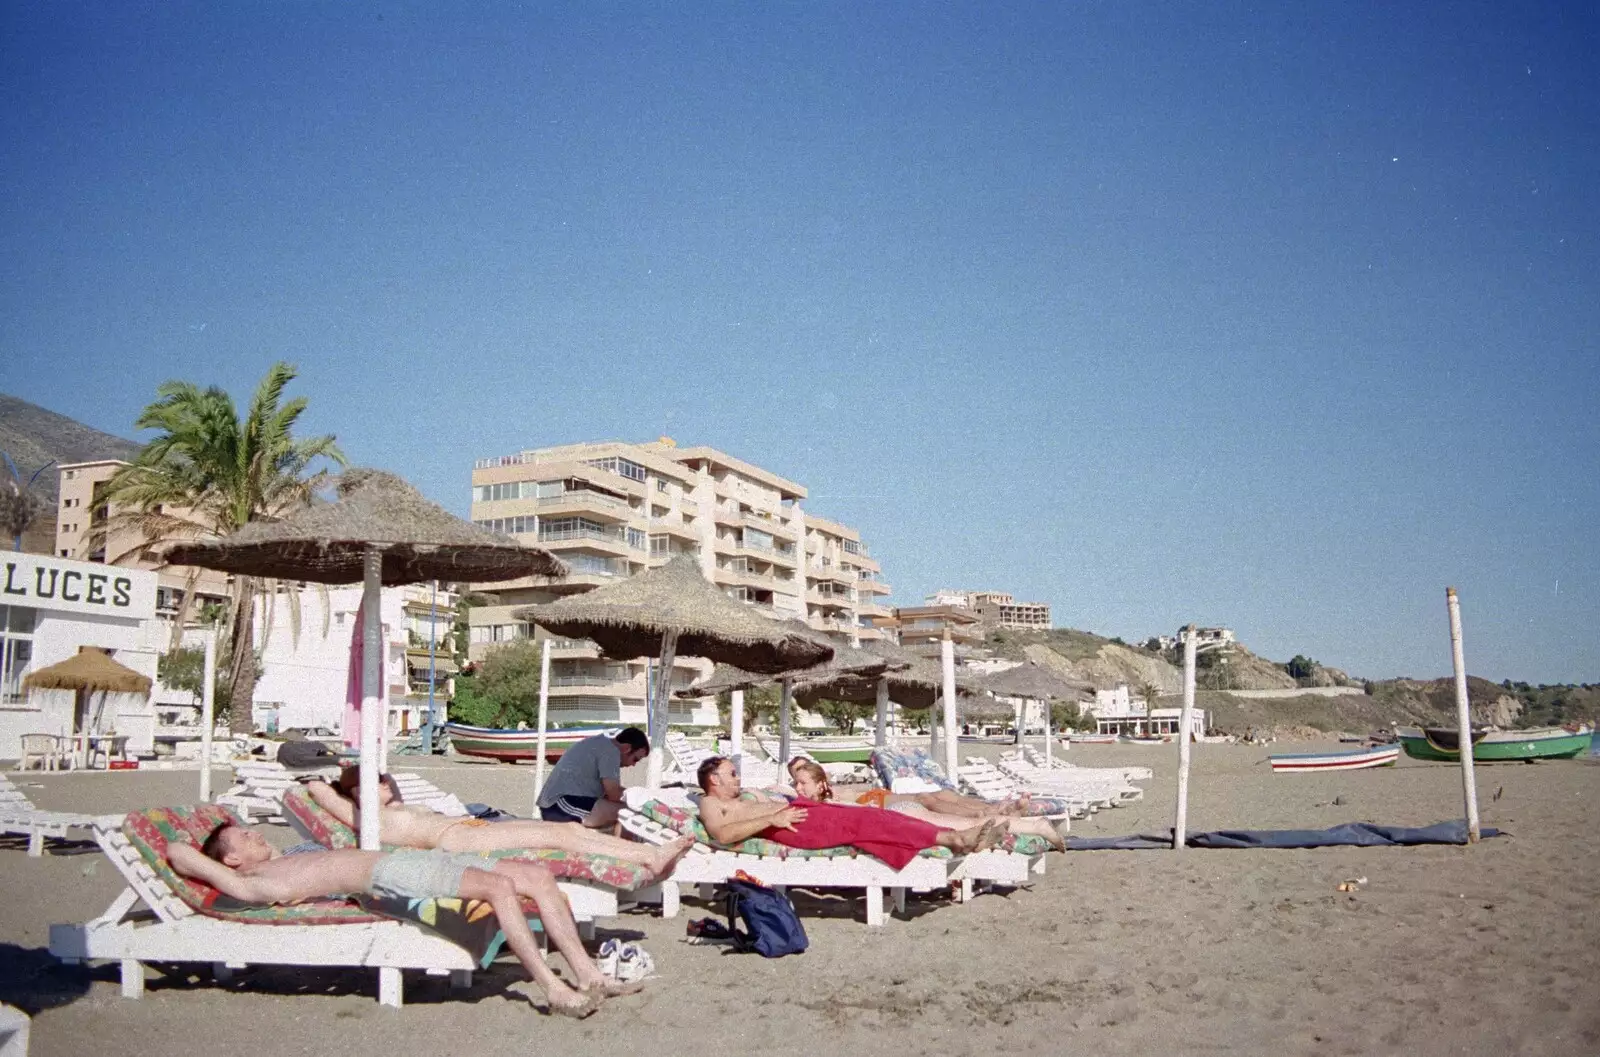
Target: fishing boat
509,746
1092,739
1146,739
824,749
1341,760
1494,746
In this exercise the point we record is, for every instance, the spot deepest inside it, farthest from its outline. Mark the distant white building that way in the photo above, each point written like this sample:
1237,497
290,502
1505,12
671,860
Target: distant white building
304,677
1117,711
1207,636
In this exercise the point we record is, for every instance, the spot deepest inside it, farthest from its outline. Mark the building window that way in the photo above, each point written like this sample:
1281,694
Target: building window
661,484
623,467
637,539
487,493
16,651
852,547
510,526
660,546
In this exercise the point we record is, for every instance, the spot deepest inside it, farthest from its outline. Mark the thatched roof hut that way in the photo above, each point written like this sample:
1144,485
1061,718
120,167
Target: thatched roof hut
90,670
327,542
631,617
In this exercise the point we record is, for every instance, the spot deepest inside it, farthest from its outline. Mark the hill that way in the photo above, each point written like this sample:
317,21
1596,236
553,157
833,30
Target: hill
1108,662
33,437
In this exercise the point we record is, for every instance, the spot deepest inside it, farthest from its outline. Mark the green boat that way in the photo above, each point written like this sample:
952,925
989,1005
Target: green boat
1494,746
824,750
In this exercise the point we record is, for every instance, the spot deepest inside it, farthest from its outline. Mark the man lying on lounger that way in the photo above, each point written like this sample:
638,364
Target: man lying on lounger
237,861
415,826
802,823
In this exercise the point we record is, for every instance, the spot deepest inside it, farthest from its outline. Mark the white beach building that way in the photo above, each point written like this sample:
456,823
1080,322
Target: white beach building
304,676
52,607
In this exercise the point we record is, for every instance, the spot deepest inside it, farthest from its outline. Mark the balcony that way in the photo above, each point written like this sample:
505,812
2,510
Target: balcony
585,502
829,600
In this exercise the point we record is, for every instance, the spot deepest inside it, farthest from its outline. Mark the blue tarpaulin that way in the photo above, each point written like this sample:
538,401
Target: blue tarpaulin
1349,834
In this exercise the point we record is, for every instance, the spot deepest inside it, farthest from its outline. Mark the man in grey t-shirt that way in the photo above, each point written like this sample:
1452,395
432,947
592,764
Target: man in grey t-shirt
586,785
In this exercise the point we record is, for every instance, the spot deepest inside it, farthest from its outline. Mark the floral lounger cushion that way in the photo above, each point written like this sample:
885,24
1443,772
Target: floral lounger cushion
605,870
470,924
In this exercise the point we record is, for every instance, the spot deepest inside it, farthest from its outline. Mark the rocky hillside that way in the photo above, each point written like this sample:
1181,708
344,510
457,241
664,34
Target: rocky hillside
34,437
1107,662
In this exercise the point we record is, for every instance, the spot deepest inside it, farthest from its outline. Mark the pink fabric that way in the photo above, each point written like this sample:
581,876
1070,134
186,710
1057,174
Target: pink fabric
352,688
889,835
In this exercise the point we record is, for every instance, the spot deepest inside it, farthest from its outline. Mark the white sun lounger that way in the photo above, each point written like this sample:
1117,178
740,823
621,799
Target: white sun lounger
259,786
19,816
708,866
126,933
1107,791
1032,754
686,757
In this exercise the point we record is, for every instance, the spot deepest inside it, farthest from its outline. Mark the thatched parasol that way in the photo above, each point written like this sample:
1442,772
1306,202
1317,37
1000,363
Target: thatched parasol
1035,681
674,609
1038,683
327,543
90,670
379,530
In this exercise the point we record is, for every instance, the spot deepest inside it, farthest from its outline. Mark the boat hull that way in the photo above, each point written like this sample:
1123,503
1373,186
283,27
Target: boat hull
1351,760
1501,746
510,746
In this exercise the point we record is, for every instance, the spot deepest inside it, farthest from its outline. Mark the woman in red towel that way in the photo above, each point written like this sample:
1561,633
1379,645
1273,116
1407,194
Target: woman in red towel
802,823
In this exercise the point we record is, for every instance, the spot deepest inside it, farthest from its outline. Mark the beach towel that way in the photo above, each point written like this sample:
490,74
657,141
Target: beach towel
1349,834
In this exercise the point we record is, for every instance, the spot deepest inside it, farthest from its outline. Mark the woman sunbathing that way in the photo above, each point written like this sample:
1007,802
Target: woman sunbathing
802,823
811,782
237,861
415,826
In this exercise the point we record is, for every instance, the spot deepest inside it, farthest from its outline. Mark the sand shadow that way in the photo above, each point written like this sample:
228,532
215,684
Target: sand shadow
52,845
33,980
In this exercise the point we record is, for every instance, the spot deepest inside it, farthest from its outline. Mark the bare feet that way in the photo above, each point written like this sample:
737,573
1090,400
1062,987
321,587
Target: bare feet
992,833
1023,803
667,856
575,1004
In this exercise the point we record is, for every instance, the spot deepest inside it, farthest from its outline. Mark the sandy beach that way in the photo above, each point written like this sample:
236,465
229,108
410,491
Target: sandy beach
1483,950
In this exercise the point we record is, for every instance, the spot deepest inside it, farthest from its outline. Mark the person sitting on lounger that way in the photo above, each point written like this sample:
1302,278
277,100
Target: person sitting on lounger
811,782
415,826
237,861
802,823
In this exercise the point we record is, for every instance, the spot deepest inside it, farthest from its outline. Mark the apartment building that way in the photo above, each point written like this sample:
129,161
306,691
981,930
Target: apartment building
81,508
996,608
923,628
613,509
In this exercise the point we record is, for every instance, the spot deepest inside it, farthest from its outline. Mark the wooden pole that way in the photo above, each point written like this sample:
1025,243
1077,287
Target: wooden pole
658,710
1180,826
881,737
947,660
736,735
785,702
544,723
372,717
1469,782
208,713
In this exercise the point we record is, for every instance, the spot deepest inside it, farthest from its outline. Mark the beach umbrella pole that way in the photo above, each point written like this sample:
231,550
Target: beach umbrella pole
947,659
785,702
1181,823
1049,733
881,737
1469,783
658,711
544,722
736,735
371,692
208,712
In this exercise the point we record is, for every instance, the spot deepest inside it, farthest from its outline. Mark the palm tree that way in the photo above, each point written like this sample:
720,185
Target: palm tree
208,474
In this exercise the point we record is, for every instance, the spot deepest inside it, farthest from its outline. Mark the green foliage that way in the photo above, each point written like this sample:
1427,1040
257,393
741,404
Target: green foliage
760,708
209,472
1067,717
504,689
1301,667
843,714
185,669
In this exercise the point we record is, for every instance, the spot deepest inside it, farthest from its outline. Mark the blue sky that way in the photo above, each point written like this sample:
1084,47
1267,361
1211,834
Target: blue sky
1276,316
